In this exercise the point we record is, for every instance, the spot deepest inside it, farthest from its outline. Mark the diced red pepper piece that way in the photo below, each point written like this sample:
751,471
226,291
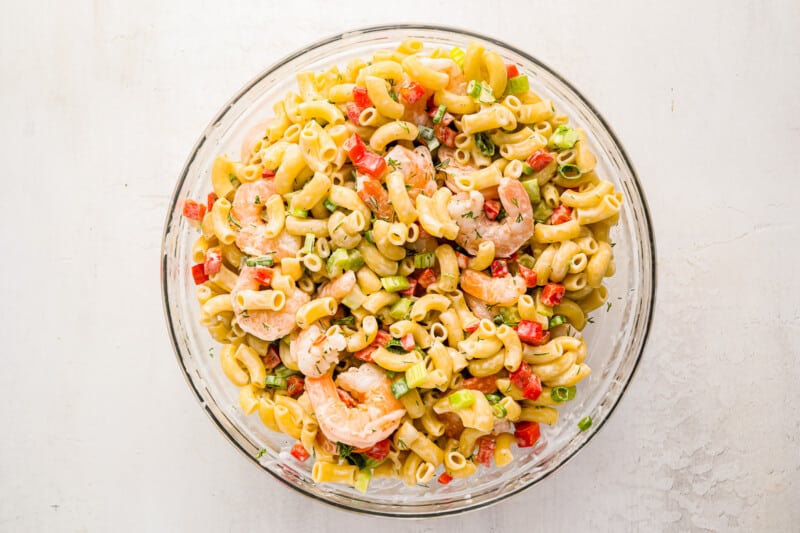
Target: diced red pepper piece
272,359
463,260
295,386
486,384
526,381
408,342
346,398
353,112
412,286
193,210
213,262
511,71
472,327
539,159
299,452
445,478
382,338
561,214
530,332
485,450
552,294
528,274
268,173
445,135
361,97
199,273
371,164
377,452
499,268
526,433
354,147
426,278
365,354
212,197
263,275
491,208
412,92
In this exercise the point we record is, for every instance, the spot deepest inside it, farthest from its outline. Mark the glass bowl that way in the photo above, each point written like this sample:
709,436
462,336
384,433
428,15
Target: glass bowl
615,338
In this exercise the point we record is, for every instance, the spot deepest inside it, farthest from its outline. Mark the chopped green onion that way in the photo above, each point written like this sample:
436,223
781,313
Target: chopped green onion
276,382
557,320
563,138
263,261
585,423
348,320
485,144
369,236
541,212
362,481
499,410
493,398
517,84
400,387
416,375
395,346
508,316
458,55
440,111
400,309
474,89
355,298
395,283
526,260
330,206
527,169
308,244
562,394
426,133
283,371
532,188
299,213
569,172
390,374
461,399
354,260
480,92
426,260
433,144
337,262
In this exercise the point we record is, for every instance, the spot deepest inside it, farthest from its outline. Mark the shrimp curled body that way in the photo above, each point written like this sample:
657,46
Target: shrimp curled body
316,352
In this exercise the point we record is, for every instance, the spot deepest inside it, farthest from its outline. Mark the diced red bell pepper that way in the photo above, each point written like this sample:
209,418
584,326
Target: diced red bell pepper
471,328
295,386
354,147
263,275
346,398
365,354
491,208
193,210
463,260
511,71
213,262
561,214
499,268
445,478
526,433
361,97
382,338
426,278
268,173
371,164
486,384
526,381
353,112
199,273
552,294
412,286
539,159
212,197
412,92
530,332
272,359
299,452
377,452
407,341
485,453
445,135
528,274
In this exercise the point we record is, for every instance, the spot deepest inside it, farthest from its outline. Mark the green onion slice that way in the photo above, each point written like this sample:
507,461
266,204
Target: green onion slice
569,172
562,394
308,244
264,261
557,320
330,206
425,260
485,144
440,111
276,382
563,138
585,423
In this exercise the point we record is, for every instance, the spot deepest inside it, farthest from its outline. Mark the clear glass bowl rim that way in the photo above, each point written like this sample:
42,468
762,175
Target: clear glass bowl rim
370,30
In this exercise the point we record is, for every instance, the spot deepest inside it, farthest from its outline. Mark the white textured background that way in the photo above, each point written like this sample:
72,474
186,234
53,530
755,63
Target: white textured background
102,101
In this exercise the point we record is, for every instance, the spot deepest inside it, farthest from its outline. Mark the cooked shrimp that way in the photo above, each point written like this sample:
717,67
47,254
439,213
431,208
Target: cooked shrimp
340,287
316,352
508,234
375,417
417,167
375,196
478,307
266,325
248,205
492,291
457,82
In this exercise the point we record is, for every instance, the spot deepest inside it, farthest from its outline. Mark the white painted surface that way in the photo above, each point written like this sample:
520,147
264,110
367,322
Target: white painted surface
101,103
